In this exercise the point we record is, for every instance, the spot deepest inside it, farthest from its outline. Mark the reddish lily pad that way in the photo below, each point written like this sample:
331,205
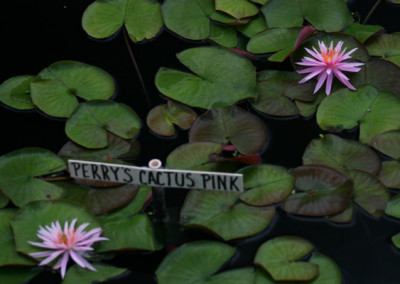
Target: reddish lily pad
388,143
325,191
77,274
396,238
15,92
390,174
232,124
220,213
266,184
393,207
386,46
279,256
341,154
362,32
236,8
161,119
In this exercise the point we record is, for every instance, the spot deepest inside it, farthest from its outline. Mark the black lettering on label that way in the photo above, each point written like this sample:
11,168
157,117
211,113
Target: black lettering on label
85,170
115,171
169,177
159,174
179,179
127,172
213,181
153,179
104,171
76,167
205,178
221,180
232,183
141,177
189,178
94,169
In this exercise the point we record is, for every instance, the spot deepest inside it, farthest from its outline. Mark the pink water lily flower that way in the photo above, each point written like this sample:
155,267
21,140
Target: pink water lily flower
70,242
328,63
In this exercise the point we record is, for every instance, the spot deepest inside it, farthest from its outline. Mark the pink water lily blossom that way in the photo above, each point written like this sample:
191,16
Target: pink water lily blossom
70,242
328,62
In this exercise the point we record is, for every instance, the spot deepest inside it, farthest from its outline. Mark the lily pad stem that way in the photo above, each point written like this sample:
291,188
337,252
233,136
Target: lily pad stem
371,11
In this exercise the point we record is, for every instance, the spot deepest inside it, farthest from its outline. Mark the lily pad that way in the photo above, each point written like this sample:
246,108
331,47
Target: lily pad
220,213
266,184
142,18
9,255
56,88
161,119
77,274
26,222
345,216
306,109
20,173
373,110
90,122
325,191
362,32
278,257
386,46
388,143
393,207
236,8
3,199
369,193
230,125
256,25
17,274
223,35
326,15
193,262
15,92
396,240
222,78
341,154
390,174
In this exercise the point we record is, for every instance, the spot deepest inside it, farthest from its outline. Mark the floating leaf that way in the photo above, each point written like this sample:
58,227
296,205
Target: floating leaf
236,8
326,191
230,125
393,207
222,78
161,119
390,174
219,212
388,143
20,173
341,154
17,274
256,25
396,238
386,46
306,109
90,122
56,88
223,35
362,32
345,216
278,257
15,92
327,15
3,199
142,18
266,184
373,110
369,193
77,274
193,262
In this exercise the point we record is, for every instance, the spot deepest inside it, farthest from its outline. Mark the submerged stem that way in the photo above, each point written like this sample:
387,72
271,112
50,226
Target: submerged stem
371,11
136,66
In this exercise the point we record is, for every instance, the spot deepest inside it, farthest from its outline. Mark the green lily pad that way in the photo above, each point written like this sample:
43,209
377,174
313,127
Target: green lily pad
326,15
98,200
193,262
161,119
341,154
142,18
277,92
77,274
231,124
17,274
90,122
390,173
15,92
20,173
388,143
266,184
386,46
220,213
9,255
3,200
234,276
236,8
369,193
345,216
373,110
278,257
26,222
393,207
396,240
324,191
256,25
306,109
223,35
362,32
222,78
56,88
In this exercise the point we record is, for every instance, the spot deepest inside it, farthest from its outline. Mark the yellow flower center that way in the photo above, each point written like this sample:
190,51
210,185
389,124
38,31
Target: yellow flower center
329,55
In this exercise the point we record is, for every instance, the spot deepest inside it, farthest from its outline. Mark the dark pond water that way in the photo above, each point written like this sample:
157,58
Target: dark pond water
38,33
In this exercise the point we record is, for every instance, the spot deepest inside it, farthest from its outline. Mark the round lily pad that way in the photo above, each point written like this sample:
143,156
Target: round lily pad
388,143
396,240
142,18
393,207
21,172
278,257
266,184
236,8
15,92
232,124
90,122
56,88
307,109
373,110
325,191
161,119
3,199
341,154
362,32
221,78
220,213
345,216
77,274
256,25
193,262
17,274
369,193
386,46
223,35
390,174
